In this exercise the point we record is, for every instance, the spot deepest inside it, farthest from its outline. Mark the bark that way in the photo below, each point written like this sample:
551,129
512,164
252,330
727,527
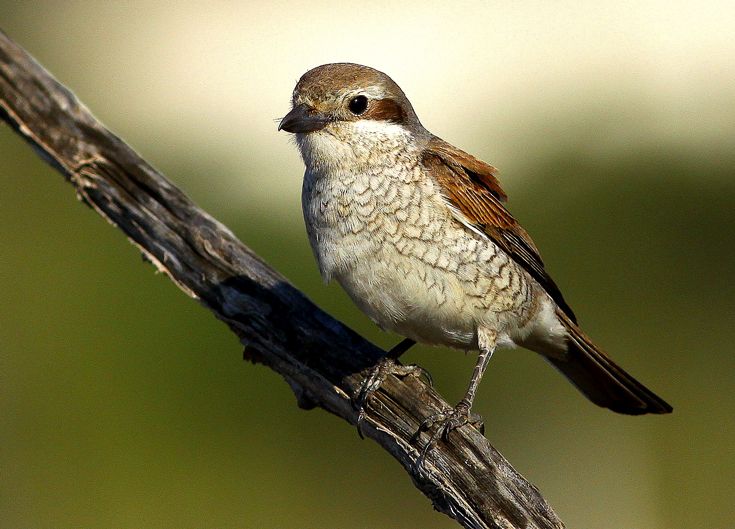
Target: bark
322,360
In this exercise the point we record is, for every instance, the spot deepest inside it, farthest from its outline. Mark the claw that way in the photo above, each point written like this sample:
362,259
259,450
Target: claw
446,422
386,366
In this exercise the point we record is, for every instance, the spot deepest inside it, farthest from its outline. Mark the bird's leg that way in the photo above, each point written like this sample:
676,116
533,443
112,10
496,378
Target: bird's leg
400,348
460,415
384,367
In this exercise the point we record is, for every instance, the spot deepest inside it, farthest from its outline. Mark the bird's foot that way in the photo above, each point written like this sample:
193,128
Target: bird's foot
378,373
443,423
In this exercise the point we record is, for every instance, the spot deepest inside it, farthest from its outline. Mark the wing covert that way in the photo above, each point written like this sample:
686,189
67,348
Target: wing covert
473,190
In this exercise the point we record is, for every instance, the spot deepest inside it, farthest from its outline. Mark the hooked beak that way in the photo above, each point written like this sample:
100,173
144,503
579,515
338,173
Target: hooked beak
303,118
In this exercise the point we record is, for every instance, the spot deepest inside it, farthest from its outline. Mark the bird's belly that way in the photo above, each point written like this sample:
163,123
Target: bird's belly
440,293
409,265
414,301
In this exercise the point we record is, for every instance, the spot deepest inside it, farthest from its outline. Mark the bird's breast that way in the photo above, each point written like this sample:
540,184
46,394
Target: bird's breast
350,215
386,234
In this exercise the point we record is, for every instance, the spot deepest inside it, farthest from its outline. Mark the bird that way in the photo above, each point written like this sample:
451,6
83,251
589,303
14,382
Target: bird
417,232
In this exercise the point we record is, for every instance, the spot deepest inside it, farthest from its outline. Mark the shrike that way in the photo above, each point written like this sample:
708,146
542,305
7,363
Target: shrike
417,232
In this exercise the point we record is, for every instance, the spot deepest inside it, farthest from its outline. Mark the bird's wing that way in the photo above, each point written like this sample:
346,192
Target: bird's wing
476,199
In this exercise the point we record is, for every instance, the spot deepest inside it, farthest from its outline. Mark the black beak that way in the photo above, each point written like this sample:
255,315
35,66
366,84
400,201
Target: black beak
303,118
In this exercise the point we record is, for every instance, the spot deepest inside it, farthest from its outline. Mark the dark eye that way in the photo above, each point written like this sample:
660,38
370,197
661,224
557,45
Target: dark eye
358,105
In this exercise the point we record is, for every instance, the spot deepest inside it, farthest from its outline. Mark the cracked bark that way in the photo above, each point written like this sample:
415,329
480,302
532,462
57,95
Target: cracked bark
322,360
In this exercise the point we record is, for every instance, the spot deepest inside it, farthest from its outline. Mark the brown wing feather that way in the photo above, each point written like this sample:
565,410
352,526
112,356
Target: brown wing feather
472,188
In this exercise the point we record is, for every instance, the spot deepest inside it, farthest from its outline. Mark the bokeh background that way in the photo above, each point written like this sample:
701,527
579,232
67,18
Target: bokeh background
125,404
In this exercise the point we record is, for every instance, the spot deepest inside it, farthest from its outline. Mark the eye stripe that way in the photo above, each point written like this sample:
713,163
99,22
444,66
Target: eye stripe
385,110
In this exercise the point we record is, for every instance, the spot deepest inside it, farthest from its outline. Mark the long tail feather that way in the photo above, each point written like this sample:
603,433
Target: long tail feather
602,380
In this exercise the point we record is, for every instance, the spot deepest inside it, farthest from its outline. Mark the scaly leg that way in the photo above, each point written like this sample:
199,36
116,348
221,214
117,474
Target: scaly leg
461,414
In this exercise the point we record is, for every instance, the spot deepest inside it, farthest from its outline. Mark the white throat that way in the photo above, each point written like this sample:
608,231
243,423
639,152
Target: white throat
348,146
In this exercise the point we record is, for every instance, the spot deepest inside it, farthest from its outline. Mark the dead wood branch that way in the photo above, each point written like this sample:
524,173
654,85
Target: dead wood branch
321,359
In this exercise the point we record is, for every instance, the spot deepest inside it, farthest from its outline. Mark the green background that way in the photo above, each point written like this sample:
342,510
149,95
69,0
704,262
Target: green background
123,403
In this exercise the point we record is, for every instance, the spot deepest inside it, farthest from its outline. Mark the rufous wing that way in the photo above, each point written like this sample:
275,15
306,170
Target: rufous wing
473,190
476,198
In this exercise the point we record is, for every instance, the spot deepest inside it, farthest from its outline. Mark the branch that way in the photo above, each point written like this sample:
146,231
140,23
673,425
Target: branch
322,360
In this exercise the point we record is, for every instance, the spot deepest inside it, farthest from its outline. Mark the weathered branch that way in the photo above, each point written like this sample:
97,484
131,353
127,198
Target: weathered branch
321,359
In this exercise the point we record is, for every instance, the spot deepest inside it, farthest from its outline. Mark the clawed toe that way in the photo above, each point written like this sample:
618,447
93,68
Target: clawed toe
378,373
443,423
446,421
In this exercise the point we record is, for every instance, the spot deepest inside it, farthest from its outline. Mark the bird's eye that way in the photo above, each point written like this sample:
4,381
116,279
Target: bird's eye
358,105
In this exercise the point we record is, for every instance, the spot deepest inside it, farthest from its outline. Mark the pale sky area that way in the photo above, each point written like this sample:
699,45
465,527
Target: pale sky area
493,80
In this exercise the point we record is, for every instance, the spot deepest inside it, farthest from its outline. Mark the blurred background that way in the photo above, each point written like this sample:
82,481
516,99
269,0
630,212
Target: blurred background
125,404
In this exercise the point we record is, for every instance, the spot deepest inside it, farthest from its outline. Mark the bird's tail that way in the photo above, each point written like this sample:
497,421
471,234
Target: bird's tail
602,380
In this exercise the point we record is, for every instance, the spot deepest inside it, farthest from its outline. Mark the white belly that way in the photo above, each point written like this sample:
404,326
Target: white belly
392,243
416,301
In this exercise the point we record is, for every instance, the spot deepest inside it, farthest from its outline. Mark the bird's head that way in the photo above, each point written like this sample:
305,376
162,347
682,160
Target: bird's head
345,107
